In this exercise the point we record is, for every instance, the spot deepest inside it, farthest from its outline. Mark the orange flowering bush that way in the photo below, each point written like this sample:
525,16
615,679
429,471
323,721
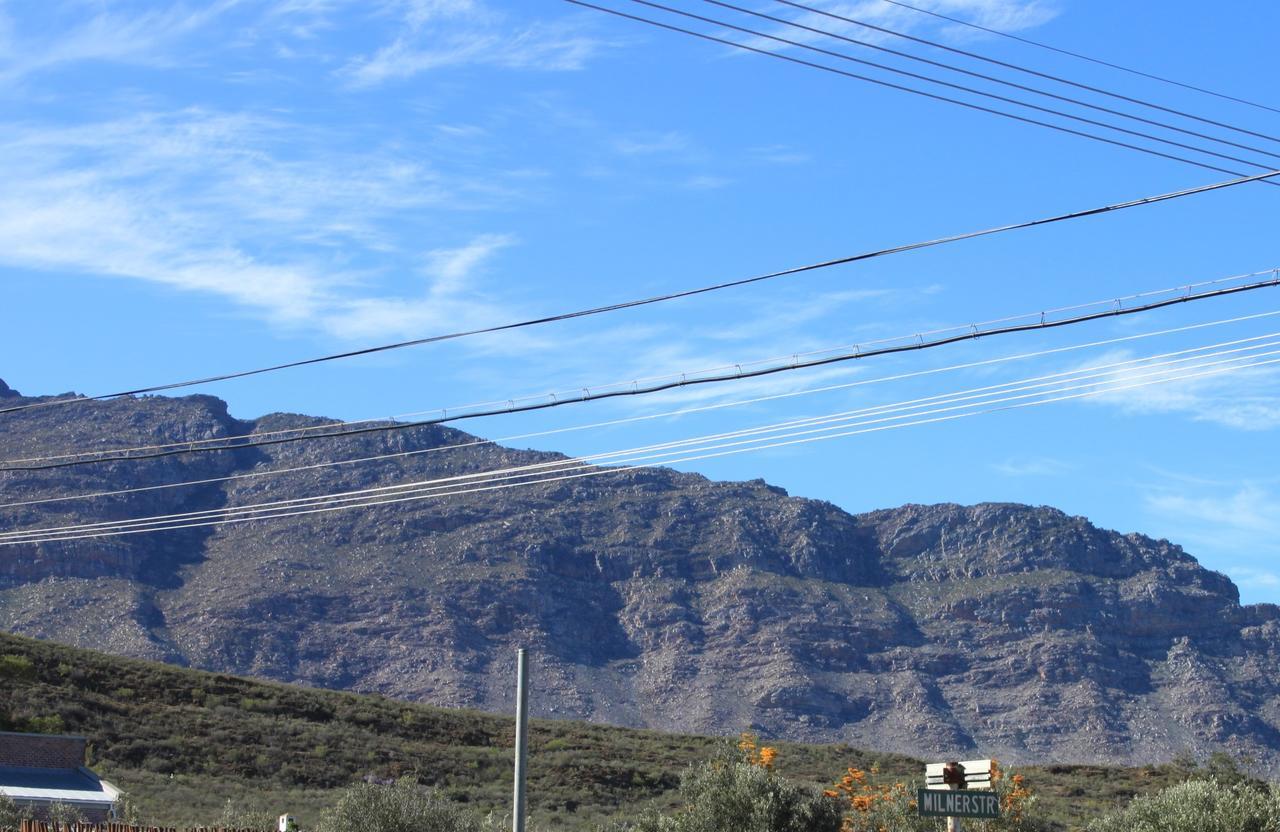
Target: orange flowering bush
755,754
870,805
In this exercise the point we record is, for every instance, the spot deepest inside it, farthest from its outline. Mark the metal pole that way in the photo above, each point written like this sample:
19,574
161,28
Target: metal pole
522,737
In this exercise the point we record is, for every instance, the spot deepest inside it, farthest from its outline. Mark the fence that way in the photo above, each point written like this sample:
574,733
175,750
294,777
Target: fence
50,826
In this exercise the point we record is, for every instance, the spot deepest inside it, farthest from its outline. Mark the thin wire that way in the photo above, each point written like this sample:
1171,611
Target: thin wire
587,395
595,471
832,422
677,413
900,87
1058,379
826,33
1083,57
1020,68
884,252
1182,289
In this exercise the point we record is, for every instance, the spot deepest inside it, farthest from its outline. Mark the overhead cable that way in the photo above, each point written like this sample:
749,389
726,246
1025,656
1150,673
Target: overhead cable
1020,68
1182,290
582,313
1083,57
901,87
724,449
1000,393
400,455
587,395
795,24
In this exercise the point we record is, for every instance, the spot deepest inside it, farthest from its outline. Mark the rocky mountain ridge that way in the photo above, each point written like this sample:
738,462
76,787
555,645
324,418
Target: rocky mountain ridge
648,597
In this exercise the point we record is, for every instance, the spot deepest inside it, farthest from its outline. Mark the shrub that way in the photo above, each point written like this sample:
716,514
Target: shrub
16,667
242,816
403,807
62,813
1198,806
727,794
11,814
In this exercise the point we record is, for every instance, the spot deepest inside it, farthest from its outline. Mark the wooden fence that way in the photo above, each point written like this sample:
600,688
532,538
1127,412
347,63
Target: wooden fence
50,826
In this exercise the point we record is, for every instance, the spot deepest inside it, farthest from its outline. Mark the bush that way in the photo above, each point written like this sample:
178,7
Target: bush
11,815
728,795
1198,806
63,813
403,807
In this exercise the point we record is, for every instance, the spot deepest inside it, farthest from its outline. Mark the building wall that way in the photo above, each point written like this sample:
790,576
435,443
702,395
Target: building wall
41,751
91,814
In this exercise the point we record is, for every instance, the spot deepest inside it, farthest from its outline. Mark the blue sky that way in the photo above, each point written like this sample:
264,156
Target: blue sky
201,187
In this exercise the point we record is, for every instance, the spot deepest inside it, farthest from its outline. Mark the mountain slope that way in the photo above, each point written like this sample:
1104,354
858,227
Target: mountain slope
649,598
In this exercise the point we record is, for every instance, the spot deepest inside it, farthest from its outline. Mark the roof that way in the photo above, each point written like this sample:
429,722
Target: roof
42,736
63,785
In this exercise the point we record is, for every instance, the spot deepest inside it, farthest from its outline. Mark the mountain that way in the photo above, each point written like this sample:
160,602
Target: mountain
648,598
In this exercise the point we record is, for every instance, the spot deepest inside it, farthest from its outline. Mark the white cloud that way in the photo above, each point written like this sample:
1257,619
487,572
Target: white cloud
650,143
1233,525
445,304
1033,467
144,38
231,206
1206,390
1254,578
707,182
442,33
1249,510
1004,15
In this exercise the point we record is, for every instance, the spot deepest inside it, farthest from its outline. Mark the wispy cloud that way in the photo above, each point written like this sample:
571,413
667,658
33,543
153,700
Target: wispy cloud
1260,579
1249,510
447,301
1234,524
1003,15
647,144
1033,467
1243,399
441,33
145,38
229,205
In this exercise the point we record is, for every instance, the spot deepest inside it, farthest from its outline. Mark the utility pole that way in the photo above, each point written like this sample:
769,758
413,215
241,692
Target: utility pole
522,737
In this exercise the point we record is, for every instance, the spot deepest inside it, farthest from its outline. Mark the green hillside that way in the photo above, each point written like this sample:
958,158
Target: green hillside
182,742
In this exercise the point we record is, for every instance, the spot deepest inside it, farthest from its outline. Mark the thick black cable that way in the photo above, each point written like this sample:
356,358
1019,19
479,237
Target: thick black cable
929,79
687,382
582,313
994,79
1019,68
1090,59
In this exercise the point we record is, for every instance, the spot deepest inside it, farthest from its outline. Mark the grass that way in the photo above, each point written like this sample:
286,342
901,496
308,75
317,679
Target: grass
182,742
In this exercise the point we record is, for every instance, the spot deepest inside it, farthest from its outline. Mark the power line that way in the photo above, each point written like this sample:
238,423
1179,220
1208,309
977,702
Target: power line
1061,381
1083,57
1019,68
358,500
582,313
953,68
675,413
791,359
586,394
929,79
902,88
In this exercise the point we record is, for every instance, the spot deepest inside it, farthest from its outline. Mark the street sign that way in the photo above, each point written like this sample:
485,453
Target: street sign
976,774
956,803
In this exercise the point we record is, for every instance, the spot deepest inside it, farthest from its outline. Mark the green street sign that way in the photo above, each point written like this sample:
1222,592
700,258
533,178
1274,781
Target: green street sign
957,803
